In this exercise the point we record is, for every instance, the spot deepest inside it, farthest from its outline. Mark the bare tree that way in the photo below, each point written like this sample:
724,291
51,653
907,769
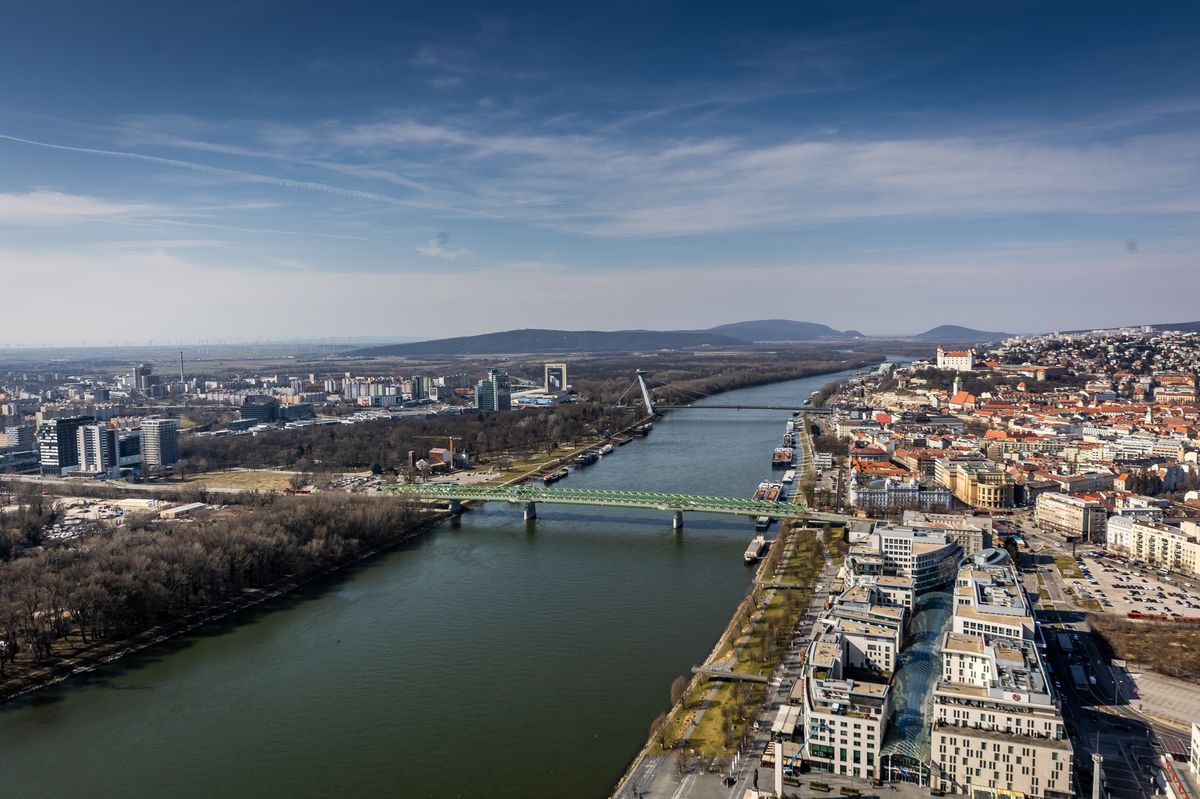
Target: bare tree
678,689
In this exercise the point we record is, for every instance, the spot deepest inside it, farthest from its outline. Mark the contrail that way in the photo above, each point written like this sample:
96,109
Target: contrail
304,185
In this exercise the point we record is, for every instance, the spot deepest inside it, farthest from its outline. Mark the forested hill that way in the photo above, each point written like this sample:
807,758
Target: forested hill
541,340
958,334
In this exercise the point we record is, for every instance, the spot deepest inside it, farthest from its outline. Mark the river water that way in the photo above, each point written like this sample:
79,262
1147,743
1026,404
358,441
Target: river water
488,658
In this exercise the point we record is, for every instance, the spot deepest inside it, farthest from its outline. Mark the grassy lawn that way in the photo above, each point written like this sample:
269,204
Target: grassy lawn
802,566
263,480
1067,566
1087,604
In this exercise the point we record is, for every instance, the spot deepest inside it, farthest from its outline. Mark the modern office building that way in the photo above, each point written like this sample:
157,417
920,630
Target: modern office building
18,438
929,558
259,407
997,728
58,444
556,378
492,393
160,444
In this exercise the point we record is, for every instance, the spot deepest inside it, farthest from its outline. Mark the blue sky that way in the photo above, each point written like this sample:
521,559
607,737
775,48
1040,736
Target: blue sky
292,169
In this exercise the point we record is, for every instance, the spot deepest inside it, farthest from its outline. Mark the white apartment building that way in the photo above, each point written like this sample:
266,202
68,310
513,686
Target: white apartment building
1176,549
997,728
1071,515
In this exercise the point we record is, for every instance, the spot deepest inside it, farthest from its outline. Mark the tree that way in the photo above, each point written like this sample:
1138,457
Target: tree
376,469
658,730
678,689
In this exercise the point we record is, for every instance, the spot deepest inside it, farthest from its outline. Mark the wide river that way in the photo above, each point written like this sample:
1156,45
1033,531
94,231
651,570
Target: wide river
488,658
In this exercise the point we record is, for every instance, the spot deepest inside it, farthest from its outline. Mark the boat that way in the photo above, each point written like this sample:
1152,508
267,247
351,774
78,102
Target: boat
789,476
586,458
642,429
554,475
762,523
761,492
607,449
774,491
758,545
782,458
623,440
787,439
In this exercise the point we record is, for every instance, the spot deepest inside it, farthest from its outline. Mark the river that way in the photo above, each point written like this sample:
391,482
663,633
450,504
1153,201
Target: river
487,658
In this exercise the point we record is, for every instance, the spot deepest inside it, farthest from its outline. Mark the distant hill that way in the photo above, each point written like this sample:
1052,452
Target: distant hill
1183,327
780,330
538,340
959,334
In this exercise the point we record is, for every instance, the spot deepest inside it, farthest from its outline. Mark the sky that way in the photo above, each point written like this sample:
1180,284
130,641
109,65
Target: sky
267,170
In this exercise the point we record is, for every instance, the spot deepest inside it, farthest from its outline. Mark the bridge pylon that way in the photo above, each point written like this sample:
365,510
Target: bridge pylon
645,392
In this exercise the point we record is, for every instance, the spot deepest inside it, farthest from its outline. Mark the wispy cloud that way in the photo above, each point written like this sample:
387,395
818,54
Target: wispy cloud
45,207
236,174
439,247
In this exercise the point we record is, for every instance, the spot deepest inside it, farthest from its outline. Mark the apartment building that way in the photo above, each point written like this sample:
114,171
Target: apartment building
1176,549
997,728
1071,515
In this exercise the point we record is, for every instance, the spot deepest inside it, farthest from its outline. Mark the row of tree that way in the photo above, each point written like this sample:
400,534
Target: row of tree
116,582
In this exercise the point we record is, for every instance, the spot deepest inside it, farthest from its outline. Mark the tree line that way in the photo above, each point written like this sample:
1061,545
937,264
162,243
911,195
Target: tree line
114,582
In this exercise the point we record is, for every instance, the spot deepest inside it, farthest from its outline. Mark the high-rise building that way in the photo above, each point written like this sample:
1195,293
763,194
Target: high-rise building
260,407
97,448
492,392
160,443
58,444
18,437
556,378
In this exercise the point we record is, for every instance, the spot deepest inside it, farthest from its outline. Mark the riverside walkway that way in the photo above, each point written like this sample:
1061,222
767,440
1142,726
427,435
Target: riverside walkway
678,503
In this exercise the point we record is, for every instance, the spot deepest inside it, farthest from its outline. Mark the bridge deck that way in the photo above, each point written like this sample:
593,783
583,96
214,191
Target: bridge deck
617,499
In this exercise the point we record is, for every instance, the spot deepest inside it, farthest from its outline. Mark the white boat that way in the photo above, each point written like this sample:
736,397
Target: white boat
606,449
758,545
789,475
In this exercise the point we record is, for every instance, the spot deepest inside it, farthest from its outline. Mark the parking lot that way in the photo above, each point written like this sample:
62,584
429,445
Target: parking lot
1121,588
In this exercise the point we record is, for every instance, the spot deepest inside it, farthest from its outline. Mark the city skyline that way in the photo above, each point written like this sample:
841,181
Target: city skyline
275,171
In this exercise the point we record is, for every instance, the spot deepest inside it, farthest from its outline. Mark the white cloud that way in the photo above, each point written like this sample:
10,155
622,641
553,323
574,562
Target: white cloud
439,247
44,207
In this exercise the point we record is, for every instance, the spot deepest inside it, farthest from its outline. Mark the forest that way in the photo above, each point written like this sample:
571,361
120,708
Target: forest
114,582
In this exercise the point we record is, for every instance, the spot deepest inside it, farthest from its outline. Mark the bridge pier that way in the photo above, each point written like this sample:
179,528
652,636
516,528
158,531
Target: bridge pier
456,508
677,520
530,511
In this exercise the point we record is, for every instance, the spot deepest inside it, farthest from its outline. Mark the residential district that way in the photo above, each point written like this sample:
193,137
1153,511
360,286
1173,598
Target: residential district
1002,504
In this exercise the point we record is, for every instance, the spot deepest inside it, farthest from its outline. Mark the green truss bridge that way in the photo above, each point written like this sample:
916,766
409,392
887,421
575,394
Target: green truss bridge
529,496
